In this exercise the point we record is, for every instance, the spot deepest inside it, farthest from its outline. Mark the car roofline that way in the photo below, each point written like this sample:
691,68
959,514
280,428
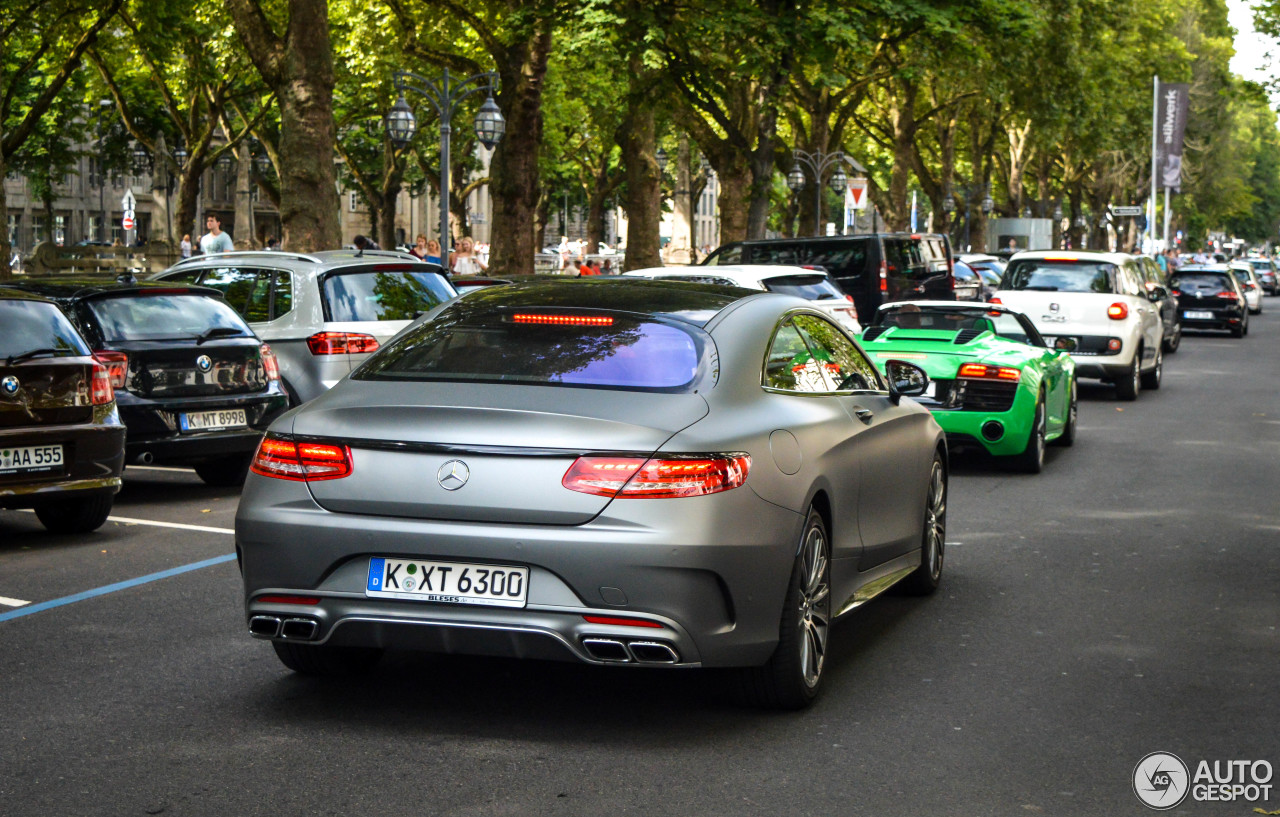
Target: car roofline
956,305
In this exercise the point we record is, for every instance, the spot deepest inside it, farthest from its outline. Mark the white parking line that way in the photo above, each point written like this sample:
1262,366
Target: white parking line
125,520
7,602
158,468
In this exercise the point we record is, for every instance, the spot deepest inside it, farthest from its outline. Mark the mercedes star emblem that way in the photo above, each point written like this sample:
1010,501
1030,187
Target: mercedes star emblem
204,363
10,385
453,475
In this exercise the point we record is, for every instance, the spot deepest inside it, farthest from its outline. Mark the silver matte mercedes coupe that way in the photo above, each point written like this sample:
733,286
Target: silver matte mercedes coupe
613,472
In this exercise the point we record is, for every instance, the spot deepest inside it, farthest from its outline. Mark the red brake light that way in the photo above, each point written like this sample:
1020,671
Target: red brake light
615,621
989,372
1061,258
1177,293
301,462
117,364
1114,344
269,363
996,301
564,320
1226,293
1117,312
101,392
849,298
636,477
341,343
309,601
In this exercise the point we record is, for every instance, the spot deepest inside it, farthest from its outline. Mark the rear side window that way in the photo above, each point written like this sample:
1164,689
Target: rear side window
383,295
163,317
31,325
809,287
730,254
699,279
248,291
1046,275
534,346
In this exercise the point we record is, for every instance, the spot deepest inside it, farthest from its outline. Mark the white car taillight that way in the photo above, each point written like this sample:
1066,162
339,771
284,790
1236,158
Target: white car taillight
101,392
269,363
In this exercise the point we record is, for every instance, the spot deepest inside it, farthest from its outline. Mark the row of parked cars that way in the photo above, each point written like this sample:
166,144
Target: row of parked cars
693,467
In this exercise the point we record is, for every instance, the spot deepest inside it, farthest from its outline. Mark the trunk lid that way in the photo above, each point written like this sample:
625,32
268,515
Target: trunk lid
159,370
48,391
515,444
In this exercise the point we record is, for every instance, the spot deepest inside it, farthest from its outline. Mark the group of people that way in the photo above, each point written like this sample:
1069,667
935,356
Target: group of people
464,260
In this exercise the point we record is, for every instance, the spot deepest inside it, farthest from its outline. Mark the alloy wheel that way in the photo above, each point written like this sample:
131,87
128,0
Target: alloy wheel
815,606
935,522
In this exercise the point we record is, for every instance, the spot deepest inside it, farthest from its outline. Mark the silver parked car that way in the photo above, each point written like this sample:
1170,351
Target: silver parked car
609,472
323,313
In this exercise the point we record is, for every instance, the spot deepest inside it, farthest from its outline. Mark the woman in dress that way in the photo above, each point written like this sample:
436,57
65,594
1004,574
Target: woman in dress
420,249
465,261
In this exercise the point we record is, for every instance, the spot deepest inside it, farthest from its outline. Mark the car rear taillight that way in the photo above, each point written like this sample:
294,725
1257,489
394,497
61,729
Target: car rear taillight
989,372
270,363
1228,294
1118,311
639,478
563,320
995,300
1177,293
341,343
301,461
101,391
1249,285
849,298
884,276
117,364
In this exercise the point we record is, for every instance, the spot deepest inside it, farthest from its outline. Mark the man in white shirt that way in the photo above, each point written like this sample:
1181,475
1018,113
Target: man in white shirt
215,240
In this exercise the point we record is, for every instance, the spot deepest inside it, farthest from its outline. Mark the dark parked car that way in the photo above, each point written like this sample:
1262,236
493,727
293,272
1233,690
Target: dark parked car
61,438
1266,269
193,384
874,268
608,472
1210,297
969,285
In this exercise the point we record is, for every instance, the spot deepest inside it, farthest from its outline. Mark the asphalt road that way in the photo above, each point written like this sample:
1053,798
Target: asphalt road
1122,603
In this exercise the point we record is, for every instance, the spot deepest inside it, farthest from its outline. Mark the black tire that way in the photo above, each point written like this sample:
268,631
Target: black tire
1068,436
76,515
1151,379
1238,331
925,580
1171,344
1129,384
1031,460
224,472
792,676
325,660
1244,325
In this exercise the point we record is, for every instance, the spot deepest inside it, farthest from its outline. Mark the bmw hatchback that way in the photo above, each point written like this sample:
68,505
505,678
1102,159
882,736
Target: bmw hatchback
61,439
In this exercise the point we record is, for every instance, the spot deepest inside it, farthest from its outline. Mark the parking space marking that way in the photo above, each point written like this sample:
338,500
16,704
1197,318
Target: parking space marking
111,588
159,468
8,602
128,520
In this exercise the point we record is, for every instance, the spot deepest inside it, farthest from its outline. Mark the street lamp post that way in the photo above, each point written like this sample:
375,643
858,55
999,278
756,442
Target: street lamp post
446,95
104,107
818,163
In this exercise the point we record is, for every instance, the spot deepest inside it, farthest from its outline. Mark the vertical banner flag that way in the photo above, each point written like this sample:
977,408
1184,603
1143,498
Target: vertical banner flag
1171,124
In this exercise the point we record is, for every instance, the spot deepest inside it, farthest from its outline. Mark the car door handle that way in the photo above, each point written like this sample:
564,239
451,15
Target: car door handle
865,415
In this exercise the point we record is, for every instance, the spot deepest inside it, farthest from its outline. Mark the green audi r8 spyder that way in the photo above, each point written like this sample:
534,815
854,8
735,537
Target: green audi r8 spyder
994,383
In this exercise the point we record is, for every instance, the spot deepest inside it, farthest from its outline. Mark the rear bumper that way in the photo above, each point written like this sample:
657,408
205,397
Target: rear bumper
964,429
155,429
712,581
94,454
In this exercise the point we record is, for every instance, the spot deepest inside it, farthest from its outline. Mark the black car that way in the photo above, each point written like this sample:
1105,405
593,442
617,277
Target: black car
61,438
1209,297
1156,282
873,268
194,385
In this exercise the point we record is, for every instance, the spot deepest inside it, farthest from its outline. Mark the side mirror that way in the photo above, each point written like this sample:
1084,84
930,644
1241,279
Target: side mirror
1157,293
905,379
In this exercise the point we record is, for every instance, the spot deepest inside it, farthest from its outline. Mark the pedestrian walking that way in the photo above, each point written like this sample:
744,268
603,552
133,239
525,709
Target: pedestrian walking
185,246
215,240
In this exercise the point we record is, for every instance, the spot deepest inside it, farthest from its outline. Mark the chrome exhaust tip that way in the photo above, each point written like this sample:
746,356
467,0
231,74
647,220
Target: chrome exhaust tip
606,649
299,629
653,652
264,626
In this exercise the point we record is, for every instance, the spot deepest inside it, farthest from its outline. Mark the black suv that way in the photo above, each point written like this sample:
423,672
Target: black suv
194,385
61,439
873,268
1210,297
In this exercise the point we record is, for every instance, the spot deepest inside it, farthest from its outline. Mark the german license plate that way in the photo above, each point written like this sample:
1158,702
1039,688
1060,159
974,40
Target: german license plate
447,582
209,420
31,459
1197,315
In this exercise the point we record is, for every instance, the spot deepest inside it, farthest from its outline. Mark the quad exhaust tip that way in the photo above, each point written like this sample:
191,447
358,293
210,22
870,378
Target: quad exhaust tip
264,626
294,629
617,651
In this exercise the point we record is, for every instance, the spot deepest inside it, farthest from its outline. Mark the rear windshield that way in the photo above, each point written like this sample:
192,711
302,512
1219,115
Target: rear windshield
1045,275
164,316
1261,264
383,295
1200,280
543,347
29,326
809,287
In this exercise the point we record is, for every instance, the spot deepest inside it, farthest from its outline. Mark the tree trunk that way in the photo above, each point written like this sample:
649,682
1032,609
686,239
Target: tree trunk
299,68
6,249
515,161
242,233
188,191
735,193
637,137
